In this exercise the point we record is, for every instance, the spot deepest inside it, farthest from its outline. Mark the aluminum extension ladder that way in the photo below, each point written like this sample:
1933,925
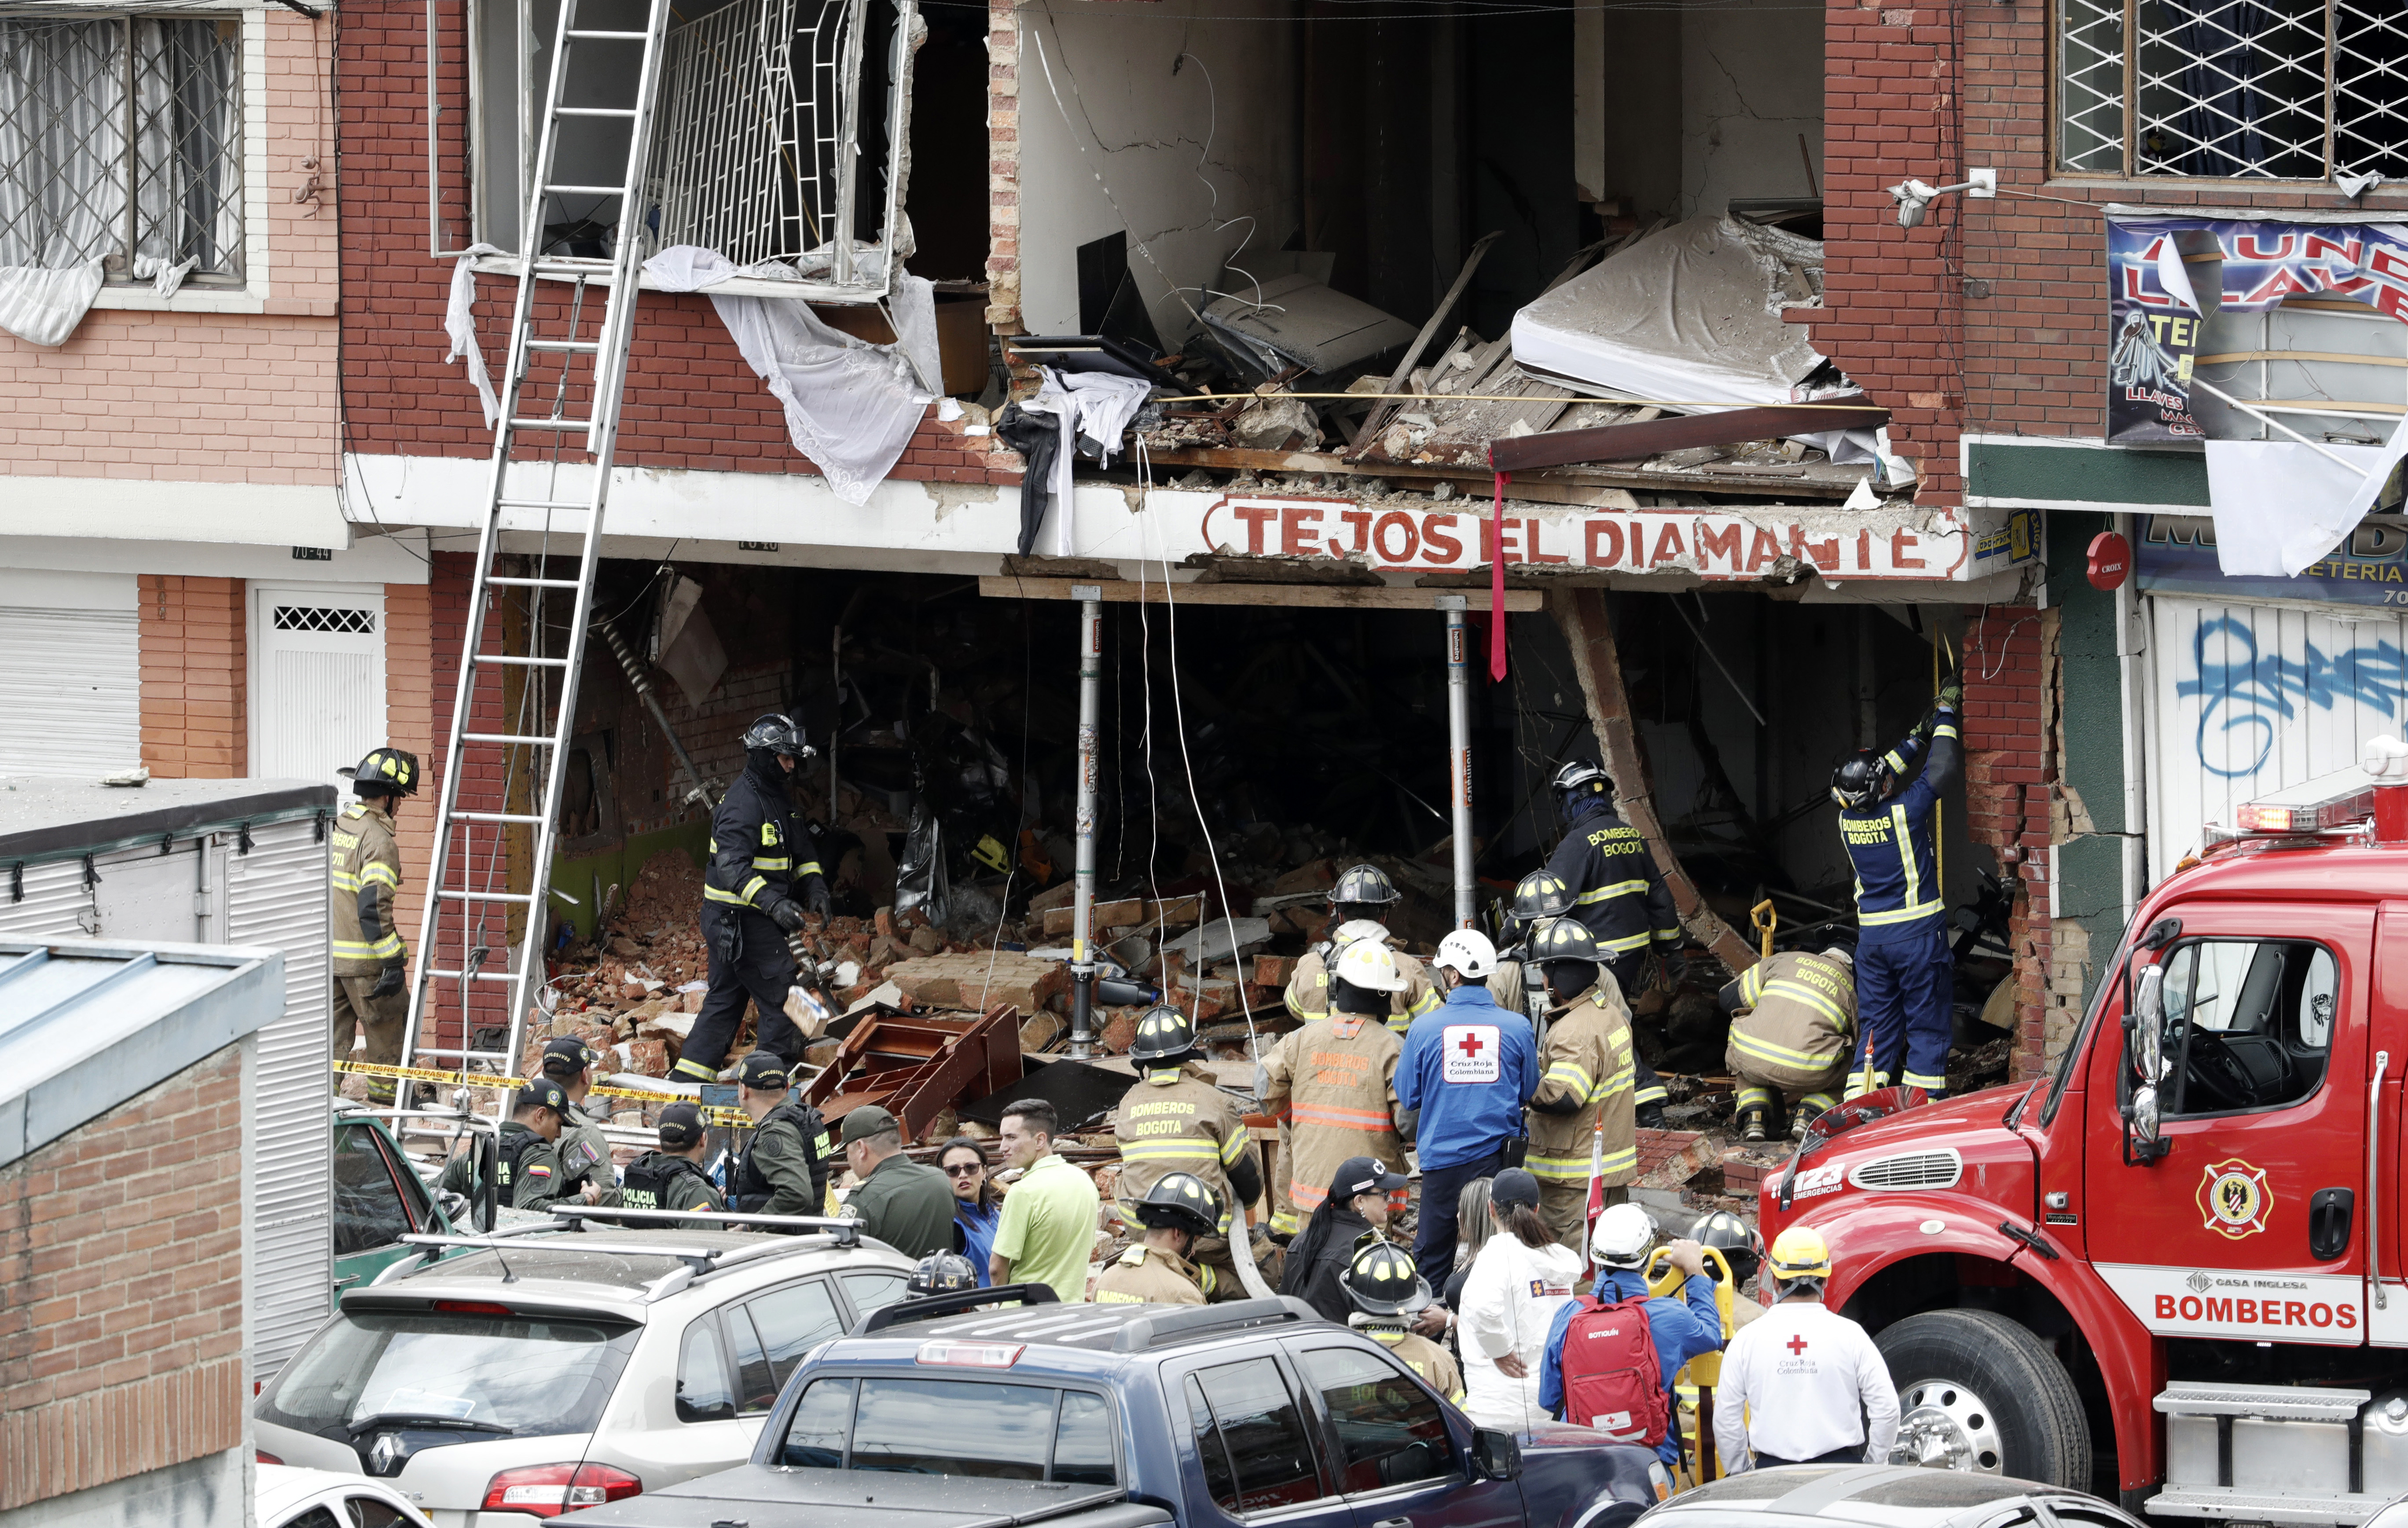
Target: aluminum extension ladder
468,906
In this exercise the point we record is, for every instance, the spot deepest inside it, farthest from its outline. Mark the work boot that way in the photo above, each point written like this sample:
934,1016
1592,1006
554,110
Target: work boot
1751,1124
1800,1119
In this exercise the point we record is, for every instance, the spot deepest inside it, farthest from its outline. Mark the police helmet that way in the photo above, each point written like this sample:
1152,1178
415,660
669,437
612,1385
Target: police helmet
1382,1280
1163,1034
1566,938
778,733
1183,1201
387,771
1858,779
1581,777
943,1273
1365,886
1542,894
1742,1248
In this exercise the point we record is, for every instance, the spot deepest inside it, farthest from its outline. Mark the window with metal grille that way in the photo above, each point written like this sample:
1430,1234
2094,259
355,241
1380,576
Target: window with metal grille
326,618
121,140
2232,89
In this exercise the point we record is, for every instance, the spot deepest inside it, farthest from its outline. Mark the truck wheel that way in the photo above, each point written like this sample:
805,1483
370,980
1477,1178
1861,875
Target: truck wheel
1979,1393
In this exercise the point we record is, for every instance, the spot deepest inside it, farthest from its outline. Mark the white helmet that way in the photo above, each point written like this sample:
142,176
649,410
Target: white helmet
1468,951
1358,931
1623,1236
1841,953
1368,964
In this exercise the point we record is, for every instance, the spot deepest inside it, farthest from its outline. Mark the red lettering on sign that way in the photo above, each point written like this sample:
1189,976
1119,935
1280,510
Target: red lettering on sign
2319,248
1361,520
1762,550
1436,544
1490,531
1714,543
1300,531
1824,555
2252,247
2244,1311
2320,1315
1864,552
2274,288
2295,1313
2219,1310
2165,1307
1530,540
1667,545
2391,301
1902,545
1254,516
2190,1308
1395,520
1604,543
2345,1316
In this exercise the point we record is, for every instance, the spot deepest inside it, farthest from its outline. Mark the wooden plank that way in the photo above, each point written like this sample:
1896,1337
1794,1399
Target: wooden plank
1310,595
1231,460
1378,418
1680,432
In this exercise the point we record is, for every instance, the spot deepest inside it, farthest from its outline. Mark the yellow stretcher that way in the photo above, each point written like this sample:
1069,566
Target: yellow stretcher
1695,1384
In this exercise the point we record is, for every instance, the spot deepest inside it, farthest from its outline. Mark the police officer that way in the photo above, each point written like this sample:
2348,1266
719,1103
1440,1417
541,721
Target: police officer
529,1176
364,875
1904,972
672,1178
1387,1292
785,1168
763,876
1177,1119
1793,1032
941,1273
1586,1071
584,1149
1332,1085
1356,903
1619,893
1176,1212
908,1205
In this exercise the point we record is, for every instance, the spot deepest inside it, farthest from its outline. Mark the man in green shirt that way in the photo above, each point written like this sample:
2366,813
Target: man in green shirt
1048,1234
908,1205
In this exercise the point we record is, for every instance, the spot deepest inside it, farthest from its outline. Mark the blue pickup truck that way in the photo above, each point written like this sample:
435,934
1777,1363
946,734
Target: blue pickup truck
994,1408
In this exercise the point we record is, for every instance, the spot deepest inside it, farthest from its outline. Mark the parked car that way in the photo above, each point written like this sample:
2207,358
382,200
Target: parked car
284,1497
1883,1496
1122,1416
380,1198
545,1367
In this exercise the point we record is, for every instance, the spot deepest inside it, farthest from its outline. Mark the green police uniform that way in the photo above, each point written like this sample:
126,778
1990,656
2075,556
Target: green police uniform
908,1205
529,1175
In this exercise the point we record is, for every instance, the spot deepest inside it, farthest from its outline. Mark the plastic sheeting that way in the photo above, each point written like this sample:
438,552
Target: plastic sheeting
2279,506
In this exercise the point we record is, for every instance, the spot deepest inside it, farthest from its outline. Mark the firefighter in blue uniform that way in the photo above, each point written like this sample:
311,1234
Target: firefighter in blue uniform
1904,990
763,876
1618,893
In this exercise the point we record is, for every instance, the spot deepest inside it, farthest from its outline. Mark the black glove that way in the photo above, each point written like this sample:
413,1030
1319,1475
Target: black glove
816,899
1951,695
388,981
787,914
1676,965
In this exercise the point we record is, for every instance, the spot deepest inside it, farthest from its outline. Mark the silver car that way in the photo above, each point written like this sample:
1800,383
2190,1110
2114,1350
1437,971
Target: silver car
530,1375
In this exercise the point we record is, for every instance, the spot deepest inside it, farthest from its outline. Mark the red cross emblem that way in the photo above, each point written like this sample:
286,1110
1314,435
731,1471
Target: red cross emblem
1470,1045
1796,1345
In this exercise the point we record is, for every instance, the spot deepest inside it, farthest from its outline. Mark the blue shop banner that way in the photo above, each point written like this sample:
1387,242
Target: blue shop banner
2156,306
2176,555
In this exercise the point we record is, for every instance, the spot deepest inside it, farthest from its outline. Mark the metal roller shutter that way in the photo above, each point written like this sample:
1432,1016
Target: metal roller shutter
71,689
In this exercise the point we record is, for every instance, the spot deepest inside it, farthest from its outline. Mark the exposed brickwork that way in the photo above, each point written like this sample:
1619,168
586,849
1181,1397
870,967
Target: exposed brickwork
191,396
1003,167
411,724
481,788
2010,775
692,403
195,638
121,1291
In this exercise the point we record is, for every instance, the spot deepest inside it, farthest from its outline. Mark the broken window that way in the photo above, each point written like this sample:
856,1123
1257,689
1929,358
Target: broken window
2278,90
121,140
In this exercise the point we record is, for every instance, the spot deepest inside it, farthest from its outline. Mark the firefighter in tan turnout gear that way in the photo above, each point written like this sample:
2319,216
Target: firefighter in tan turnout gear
1332,1084
1793,1032
1177,1120
365,873
1357,903
1176,1212
1586,1071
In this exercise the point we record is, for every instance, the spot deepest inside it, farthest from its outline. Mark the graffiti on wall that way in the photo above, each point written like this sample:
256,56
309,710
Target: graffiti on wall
2247,695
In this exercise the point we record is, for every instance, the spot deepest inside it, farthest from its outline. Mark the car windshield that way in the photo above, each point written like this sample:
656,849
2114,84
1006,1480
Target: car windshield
525,1376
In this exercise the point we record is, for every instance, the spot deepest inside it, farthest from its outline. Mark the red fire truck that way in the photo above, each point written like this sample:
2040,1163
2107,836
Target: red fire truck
2176,1268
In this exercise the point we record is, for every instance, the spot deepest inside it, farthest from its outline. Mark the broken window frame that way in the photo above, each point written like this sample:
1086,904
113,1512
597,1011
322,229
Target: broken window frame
852,271
203,197
2122,80
2278,360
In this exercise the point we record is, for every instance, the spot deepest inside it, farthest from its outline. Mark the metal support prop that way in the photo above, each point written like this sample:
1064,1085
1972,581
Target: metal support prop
1083,904
1458,756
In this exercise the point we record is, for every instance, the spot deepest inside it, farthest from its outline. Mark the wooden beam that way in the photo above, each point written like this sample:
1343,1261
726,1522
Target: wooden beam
1586,617
1304,595
1785,485
1679,432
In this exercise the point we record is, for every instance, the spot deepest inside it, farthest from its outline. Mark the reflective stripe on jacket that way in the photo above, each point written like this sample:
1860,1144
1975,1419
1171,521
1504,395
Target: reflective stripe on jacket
364,872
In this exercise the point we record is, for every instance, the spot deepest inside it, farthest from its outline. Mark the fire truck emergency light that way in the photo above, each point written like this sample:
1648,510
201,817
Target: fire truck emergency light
2376,789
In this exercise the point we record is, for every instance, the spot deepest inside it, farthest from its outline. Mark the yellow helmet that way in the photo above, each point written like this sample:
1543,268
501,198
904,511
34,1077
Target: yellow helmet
1801,1252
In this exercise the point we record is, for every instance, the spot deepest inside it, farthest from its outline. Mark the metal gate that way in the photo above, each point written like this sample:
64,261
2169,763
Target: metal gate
71,689
319,679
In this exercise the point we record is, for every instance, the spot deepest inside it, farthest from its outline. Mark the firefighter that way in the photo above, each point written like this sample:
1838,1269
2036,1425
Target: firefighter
785,1170
1332,1085
1177,1119
1356,903
764,876
1904,973
1586,1073
1177,1213
1793,1032
1540,897
1619,893
1387,1292
941,1273
672,1177
364,876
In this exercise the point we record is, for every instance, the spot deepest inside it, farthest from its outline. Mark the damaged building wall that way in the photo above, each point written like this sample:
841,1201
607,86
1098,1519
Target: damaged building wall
1183,133
1752,90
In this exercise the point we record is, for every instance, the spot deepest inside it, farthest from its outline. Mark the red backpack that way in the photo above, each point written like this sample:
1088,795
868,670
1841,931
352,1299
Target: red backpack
1612,1381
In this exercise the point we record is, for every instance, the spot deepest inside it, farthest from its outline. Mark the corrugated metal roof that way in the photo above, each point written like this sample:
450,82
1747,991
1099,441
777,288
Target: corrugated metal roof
43,816
86,1025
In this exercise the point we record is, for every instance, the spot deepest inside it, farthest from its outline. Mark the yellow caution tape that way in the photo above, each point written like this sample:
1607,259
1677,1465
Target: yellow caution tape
716,1116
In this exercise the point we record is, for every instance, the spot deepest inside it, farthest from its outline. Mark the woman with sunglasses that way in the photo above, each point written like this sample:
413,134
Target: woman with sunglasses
978,1207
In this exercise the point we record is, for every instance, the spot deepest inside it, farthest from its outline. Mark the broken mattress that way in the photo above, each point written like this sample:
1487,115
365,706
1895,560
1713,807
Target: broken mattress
1690,314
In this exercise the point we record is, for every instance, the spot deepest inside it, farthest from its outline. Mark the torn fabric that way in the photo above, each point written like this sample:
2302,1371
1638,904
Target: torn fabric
42,306
460,323
165,276
1082,411
1037,438
2280,506
913,304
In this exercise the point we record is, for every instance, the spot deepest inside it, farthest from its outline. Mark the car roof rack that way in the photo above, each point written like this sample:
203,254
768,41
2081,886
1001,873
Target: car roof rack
844,1233
928,1307
1191,1323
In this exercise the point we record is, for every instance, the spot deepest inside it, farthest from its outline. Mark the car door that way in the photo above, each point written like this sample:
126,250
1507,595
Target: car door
730,1363
2252,1225
1251,1448
1402,1459
374,1209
